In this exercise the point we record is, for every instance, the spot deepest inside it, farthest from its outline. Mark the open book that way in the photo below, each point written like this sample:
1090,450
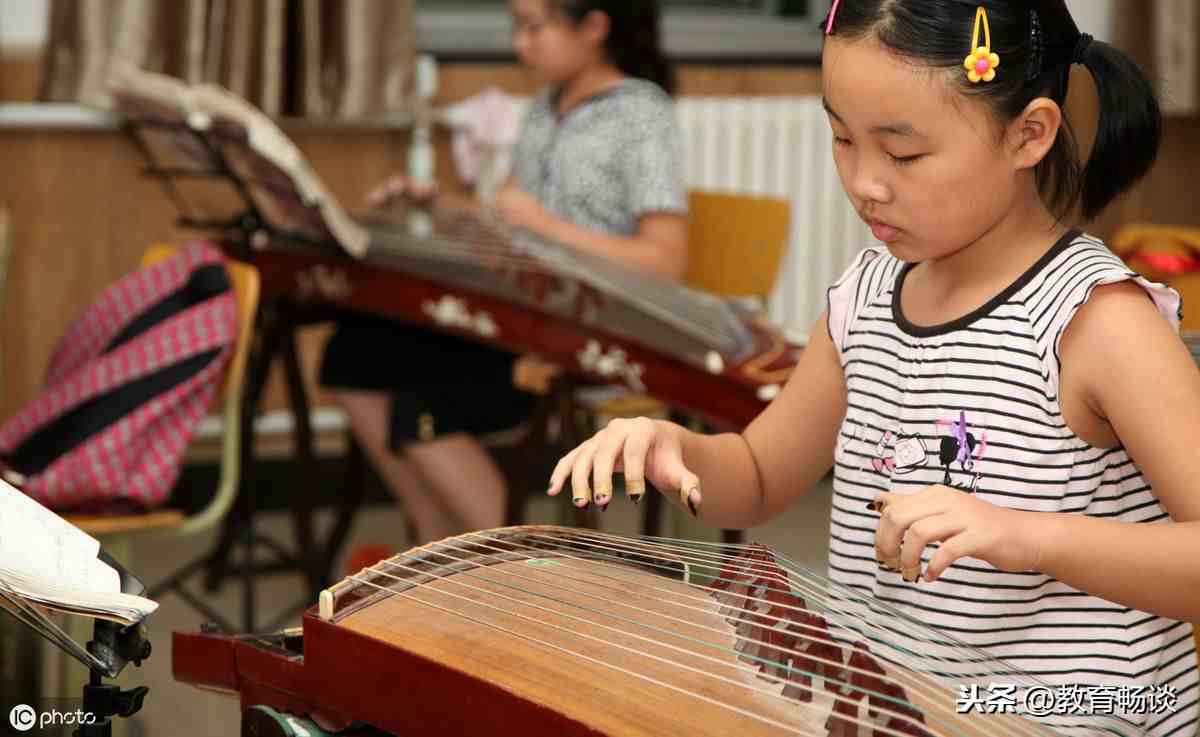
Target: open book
48,563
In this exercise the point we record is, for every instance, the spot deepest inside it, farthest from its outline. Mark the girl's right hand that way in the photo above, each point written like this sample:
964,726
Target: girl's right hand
399,186
645,449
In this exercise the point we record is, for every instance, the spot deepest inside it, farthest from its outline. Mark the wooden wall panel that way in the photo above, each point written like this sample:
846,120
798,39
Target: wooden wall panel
79,220
82,214
20,75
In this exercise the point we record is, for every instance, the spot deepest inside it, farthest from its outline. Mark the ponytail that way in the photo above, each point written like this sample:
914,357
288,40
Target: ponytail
634,39
1129,131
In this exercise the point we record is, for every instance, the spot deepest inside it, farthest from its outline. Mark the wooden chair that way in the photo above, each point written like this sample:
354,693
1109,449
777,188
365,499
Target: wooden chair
736,245
1168,254
117,533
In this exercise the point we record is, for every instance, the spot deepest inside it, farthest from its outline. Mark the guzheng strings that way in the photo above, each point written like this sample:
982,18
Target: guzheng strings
794,629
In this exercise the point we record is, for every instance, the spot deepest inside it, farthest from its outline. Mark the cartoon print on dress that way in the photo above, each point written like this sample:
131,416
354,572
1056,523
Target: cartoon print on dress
961,447
898,453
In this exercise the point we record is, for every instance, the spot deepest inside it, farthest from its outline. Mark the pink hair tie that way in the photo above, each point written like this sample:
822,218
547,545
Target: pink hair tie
832,13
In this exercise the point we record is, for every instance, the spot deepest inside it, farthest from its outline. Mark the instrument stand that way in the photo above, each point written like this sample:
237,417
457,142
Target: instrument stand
241,235
233,554
116,646
112,647
314,557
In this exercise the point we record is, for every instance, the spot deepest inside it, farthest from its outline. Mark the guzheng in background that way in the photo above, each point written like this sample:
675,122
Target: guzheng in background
536,631
233,172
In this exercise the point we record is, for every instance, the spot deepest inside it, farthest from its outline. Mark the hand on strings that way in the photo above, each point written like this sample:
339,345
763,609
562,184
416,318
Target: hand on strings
645,449
519,208
399,187
963,524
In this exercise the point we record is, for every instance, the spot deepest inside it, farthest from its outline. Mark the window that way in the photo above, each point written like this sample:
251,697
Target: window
693,30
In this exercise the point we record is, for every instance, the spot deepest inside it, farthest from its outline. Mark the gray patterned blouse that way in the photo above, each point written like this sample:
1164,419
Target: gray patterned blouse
610,160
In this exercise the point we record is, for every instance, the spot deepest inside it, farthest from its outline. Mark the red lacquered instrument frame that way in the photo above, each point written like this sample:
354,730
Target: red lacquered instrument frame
328,685
727,398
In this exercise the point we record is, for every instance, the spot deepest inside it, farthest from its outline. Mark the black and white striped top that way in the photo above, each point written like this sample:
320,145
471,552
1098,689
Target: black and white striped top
989,381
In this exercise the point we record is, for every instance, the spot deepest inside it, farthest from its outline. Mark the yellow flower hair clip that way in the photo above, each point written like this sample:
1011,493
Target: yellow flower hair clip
981,64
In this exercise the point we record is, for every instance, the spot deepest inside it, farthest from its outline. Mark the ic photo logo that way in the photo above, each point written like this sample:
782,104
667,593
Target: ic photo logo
22,717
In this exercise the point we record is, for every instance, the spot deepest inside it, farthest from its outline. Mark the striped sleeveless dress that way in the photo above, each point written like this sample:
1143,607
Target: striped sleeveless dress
989,381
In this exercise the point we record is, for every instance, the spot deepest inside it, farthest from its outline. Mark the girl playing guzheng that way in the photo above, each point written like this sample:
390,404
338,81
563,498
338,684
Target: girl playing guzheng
597,166
1008,410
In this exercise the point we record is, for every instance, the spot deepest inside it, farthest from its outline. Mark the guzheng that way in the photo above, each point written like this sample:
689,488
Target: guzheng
227,165
551,631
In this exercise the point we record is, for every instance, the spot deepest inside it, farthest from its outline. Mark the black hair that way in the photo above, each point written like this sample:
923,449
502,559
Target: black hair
634,42
1037,41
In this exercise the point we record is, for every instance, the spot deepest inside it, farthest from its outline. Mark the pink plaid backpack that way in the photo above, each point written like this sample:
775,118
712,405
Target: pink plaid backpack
127,385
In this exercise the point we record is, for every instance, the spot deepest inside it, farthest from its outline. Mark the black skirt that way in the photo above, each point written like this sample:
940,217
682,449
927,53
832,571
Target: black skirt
439,384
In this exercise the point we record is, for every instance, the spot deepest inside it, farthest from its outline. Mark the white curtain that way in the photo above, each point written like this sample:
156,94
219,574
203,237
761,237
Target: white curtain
310,58
1161,35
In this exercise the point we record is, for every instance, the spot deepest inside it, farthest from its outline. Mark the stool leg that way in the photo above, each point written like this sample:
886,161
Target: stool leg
304,467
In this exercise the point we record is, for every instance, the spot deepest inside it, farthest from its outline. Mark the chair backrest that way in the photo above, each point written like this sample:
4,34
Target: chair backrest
246,288
245,281
1164,253
736,243
1139,236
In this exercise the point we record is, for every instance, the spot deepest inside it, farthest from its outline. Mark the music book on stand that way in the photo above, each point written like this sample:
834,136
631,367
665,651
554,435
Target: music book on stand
48,564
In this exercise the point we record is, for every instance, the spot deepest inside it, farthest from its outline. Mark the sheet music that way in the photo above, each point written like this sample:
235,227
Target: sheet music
47,562
38,542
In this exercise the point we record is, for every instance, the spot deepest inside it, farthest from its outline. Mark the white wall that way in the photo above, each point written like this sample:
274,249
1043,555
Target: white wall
23,23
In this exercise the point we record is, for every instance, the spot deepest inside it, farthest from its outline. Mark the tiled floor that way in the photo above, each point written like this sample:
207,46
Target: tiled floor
176,710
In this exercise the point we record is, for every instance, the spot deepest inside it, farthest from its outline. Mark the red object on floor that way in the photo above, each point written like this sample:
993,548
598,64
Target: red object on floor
365,556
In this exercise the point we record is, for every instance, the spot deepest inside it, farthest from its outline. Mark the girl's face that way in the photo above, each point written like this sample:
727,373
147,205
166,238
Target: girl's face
549,44
923,165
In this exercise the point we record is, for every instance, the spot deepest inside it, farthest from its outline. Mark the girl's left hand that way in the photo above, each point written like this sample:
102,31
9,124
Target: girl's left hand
519,208
965,525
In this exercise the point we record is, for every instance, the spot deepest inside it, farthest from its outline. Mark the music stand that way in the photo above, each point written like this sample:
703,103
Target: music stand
233,175
112,647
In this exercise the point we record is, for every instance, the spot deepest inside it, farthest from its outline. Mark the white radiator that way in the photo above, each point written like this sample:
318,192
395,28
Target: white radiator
779,147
